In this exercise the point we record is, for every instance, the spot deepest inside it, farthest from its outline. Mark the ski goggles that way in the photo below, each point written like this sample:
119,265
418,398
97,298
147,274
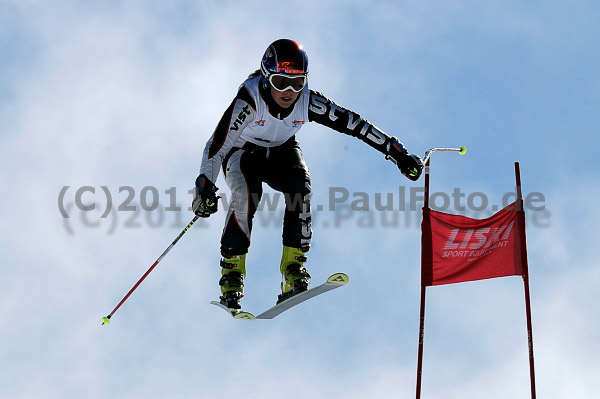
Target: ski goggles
282,82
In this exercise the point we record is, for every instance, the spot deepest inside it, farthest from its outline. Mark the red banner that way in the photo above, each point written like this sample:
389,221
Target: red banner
457,248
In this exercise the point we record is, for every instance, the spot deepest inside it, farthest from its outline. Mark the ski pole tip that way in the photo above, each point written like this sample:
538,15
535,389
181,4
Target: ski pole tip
463,150
106,320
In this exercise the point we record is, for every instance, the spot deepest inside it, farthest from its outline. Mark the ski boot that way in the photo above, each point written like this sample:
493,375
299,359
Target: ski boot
295,278
232,281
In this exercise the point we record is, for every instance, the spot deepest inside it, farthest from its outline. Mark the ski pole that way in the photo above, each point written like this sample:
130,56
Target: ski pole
462,150
106,320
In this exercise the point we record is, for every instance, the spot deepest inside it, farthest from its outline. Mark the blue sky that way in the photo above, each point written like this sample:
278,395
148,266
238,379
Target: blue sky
117,94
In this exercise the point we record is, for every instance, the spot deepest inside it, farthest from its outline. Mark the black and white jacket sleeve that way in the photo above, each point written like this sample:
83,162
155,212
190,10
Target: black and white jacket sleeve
227,133
325,112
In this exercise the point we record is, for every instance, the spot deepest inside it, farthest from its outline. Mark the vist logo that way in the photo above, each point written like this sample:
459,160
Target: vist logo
260,122
359,126
241,118
297,123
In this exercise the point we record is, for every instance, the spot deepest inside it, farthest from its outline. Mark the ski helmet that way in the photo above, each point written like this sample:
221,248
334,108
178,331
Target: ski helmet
284,56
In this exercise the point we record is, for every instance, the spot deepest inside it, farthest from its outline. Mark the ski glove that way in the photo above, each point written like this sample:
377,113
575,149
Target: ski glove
410,165
206,201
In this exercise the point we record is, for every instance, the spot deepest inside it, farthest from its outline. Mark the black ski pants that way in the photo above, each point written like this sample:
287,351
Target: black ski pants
283,168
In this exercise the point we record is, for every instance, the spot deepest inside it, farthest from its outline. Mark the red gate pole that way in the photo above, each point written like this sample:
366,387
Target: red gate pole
423,288
426,254
521,212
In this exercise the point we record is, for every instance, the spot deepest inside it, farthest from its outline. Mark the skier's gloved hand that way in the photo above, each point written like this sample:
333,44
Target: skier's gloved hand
410,165
205,202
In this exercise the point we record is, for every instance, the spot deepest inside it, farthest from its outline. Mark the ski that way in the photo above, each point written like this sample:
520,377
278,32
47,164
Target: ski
240,315
334,281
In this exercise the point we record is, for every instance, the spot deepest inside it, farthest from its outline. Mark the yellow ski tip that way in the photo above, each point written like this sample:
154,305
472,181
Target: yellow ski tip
244,316
338,278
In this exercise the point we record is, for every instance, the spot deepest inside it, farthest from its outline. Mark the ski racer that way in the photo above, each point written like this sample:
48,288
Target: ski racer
255,143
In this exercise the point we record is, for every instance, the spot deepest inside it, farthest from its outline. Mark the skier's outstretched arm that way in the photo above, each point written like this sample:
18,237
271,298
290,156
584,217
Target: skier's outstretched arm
325,112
